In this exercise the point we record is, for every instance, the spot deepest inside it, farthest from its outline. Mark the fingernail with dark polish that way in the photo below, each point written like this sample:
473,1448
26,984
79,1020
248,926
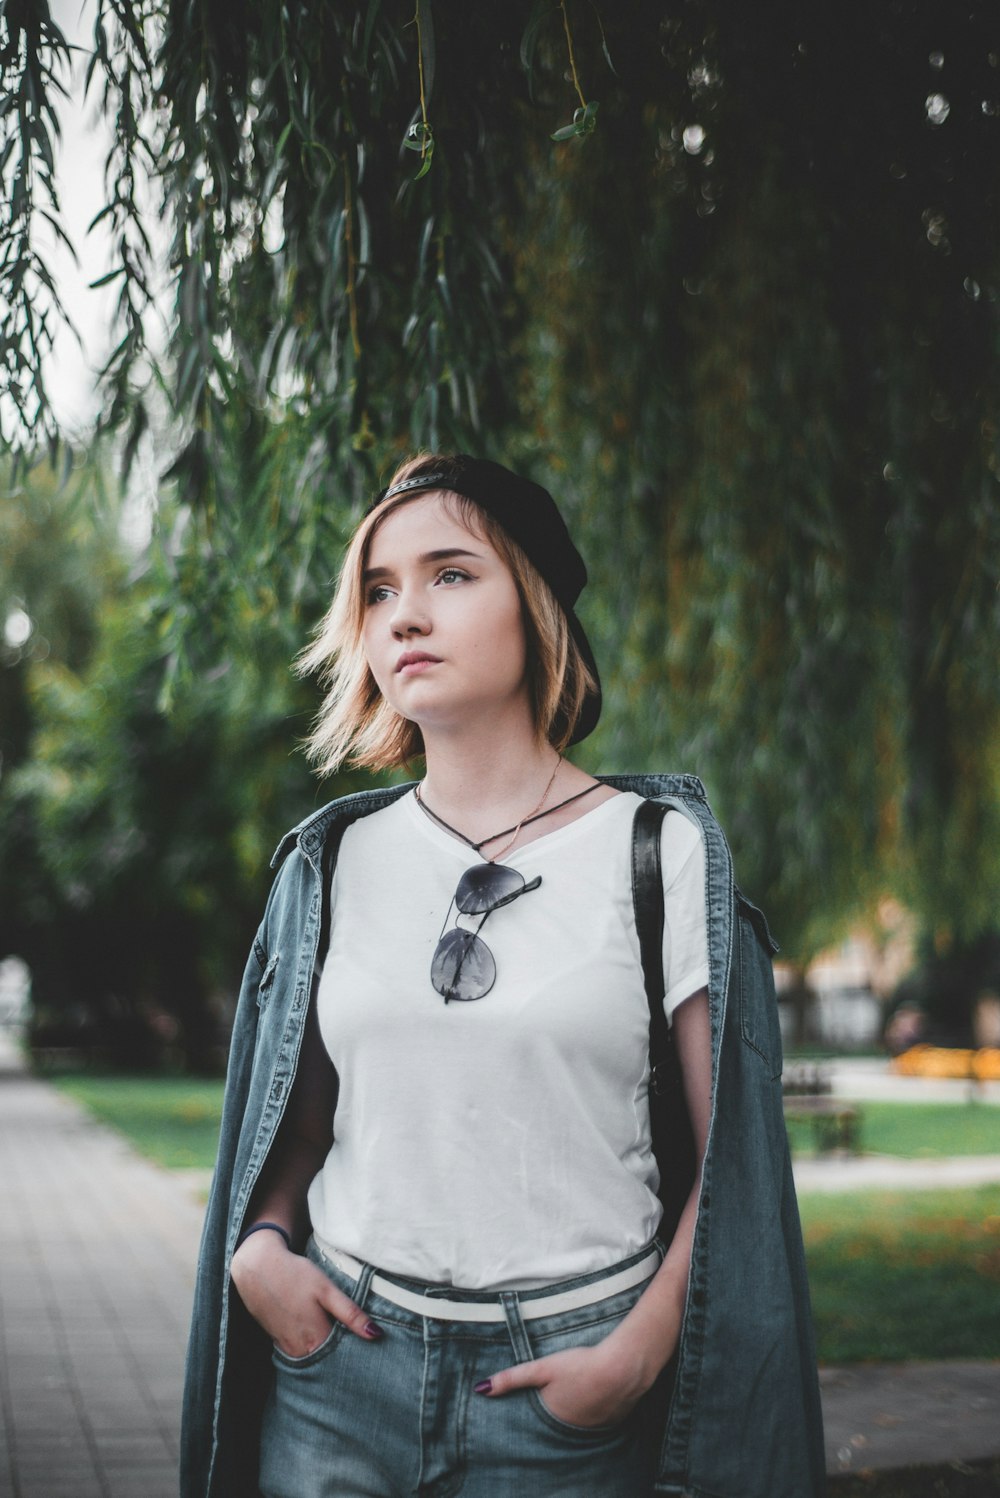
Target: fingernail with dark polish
373,1331
483,1387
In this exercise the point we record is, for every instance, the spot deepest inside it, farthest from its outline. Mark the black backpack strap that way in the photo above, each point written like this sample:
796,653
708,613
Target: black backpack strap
331,848
670,1122
647,899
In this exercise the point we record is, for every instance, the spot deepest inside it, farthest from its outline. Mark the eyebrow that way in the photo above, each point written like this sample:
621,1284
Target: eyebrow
446,554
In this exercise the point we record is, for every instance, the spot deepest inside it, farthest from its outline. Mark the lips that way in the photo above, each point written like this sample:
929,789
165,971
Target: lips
416,658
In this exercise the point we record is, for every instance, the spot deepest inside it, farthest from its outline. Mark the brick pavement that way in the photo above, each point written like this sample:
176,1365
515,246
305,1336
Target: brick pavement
97,1252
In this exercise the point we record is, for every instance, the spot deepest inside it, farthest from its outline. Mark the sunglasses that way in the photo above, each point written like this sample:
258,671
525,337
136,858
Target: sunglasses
463,967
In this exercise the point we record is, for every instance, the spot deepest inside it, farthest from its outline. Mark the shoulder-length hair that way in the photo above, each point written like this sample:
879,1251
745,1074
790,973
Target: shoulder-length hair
355,723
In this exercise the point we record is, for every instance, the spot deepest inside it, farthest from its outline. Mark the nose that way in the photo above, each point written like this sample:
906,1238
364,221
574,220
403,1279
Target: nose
409,615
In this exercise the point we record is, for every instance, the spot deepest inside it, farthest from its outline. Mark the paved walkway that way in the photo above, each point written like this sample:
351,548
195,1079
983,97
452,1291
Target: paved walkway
892,1415
871,1077
889,1171
97,1251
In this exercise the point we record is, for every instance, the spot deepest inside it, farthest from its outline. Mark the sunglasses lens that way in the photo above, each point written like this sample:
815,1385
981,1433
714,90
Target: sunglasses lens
463,966
486,885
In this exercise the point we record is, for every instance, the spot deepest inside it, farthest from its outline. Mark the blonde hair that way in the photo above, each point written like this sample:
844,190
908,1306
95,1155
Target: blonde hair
355,723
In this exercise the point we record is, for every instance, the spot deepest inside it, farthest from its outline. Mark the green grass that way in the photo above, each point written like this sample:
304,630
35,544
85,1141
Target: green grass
172,1120
898,1275
175,1120
916,1130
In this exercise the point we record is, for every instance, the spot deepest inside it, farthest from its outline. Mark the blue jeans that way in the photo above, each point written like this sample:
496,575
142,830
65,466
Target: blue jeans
398,1417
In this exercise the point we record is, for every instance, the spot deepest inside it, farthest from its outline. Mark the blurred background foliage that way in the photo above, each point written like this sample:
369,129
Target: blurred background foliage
138,812
746,327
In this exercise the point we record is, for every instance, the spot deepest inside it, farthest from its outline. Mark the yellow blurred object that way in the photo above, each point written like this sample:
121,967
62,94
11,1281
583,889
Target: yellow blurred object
986,1063
982,1065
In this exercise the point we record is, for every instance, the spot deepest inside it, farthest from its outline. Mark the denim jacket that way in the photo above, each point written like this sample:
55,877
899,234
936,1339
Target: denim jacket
743,1416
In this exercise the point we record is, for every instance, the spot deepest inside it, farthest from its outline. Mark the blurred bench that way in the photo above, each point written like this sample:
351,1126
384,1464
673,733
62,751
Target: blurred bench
836,1124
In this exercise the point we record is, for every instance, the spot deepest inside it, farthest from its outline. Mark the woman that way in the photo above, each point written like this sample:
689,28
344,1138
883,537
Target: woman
437,1196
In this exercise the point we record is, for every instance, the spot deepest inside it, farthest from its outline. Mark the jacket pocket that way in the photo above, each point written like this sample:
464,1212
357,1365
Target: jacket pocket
267,981
758,920
759,1023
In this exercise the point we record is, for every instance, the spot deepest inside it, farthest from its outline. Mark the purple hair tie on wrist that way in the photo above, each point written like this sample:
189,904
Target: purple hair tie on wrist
258,1227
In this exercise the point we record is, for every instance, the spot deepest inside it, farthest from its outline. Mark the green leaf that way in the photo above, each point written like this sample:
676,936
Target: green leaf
604,40
419,137
584,120
425,243
364,233
102,213
112,275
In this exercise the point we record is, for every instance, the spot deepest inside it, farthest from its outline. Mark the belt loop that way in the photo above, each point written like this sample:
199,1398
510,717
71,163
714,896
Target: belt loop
516,1327
362,1279
360,1292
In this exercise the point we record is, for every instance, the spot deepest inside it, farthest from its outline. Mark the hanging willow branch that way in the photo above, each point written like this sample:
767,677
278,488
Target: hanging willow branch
225,125
352,259
584,118
34,60
420,136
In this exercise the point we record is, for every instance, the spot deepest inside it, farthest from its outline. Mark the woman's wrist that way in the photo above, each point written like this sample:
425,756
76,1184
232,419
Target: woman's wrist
256,1255
645,1341
635,1360
265,1226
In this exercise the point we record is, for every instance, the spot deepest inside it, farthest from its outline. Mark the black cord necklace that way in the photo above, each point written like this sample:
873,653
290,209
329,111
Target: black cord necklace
478,847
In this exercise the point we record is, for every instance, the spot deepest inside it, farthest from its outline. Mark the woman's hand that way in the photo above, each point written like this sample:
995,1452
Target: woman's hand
600,1385
583,1385
291,1299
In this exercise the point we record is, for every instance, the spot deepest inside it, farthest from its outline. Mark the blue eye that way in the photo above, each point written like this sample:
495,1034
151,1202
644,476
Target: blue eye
377,593
452,574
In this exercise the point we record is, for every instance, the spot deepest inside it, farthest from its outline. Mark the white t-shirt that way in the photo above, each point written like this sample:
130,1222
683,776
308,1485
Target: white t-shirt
502,1143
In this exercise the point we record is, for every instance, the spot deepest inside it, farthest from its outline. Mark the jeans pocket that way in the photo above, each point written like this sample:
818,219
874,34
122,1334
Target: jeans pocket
581,1329
580,1433
318,1354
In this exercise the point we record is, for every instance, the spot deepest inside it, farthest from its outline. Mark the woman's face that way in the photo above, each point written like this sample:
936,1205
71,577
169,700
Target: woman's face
443,631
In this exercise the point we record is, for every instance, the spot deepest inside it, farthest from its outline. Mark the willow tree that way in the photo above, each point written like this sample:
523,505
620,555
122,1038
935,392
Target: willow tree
741,313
